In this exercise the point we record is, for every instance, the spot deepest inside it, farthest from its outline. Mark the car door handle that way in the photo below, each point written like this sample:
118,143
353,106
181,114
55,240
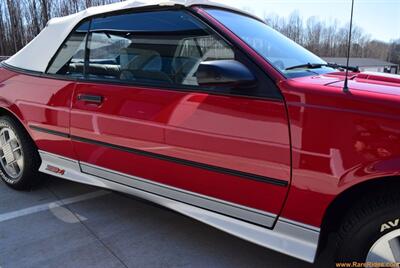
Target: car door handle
90,98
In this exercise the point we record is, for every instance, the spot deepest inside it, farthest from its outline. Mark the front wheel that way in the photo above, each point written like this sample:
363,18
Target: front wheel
371,232
19,158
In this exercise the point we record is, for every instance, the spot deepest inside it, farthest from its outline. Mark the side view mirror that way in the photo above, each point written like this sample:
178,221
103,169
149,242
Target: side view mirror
224,73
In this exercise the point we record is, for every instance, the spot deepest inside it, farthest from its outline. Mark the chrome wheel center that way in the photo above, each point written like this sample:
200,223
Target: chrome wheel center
386,249
11,157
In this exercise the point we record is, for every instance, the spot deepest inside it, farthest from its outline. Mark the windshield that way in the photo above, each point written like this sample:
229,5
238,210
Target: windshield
277,49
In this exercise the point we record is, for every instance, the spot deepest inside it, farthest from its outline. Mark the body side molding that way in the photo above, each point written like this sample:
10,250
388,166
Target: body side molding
222,170
289,237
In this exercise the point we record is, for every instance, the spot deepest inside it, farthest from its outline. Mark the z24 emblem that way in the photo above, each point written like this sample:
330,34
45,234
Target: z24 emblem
55,170
390,224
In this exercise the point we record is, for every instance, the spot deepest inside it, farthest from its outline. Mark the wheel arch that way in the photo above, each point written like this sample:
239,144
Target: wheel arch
17,115
340,206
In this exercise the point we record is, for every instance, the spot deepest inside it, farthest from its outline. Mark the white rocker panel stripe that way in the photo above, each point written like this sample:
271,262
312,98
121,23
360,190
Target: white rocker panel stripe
288,237
216,205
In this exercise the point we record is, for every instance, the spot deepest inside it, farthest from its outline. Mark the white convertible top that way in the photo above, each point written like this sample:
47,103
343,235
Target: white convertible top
37,54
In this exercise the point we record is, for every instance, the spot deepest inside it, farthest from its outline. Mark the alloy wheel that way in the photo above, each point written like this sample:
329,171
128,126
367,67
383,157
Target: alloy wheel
386,249
11,155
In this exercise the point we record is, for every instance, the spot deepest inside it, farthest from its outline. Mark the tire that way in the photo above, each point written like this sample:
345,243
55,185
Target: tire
370,228
19,158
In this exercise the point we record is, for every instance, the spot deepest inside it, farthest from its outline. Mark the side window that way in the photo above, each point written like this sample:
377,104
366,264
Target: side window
159,47
70,59
196,50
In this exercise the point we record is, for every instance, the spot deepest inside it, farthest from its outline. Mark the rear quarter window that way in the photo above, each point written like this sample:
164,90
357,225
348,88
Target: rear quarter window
70,58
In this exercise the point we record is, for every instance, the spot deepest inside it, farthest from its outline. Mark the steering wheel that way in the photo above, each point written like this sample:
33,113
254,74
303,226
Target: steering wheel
127,75
142,76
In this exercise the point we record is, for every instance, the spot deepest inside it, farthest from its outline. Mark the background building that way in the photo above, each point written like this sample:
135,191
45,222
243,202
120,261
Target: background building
367,64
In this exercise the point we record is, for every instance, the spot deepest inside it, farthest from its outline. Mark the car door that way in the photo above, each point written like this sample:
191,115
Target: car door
141,119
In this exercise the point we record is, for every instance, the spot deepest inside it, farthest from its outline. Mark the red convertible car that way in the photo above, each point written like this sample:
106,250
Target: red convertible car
206,110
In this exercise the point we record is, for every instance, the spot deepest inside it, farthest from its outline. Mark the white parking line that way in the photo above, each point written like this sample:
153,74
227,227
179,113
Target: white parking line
35,209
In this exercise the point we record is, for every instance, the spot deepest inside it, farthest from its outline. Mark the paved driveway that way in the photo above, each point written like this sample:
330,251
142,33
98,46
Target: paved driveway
64,224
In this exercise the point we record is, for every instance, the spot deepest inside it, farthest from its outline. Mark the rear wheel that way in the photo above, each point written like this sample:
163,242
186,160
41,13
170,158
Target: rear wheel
19,158
371,231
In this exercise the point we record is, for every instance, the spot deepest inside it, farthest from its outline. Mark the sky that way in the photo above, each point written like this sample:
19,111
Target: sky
379,18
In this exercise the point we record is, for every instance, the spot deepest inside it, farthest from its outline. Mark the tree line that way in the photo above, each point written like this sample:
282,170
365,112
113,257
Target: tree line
330,39
22,20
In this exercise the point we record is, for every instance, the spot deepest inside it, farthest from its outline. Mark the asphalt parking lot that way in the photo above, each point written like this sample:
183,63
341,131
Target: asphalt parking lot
65,224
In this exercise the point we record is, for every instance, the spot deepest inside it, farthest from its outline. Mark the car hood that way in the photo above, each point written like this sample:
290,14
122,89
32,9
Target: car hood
364,81
374,82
